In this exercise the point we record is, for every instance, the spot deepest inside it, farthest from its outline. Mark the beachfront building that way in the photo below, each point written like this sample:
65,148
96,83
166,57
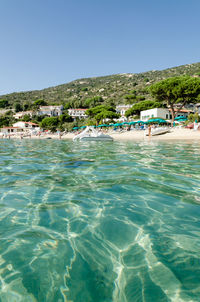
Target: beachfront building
164,113
155,113
20,115
10,130
50,110
197,108
182,112
77,113
26,125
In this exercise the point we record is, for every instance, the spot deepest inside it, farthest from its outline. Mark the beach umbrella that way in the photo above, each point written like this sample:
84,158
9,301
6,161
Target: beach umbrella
157,120
125,123
160,120
132,123
82,127
118,124
139,122
180,118
75,128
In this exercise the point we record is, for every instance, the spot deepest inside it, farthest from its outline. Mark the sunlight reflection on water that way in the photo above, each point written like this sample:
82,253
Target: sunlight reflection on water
99,222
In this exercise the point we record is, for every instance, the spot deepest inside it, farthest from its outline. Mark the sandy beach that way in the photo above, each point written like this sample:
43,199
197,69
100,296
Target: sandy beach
174,134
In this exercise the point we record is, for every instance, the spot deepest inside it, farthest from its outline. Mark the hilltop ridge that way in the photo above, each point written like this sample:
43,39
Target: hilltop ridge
112,88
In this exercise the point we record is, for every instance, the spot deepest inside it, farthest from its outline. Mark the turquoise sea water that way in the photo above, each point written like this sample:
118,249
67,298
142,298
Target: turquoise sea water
99,222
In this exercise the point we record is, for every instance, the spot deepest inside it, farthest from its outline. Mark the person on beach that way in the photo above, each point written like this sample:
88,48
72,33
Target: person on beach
149,130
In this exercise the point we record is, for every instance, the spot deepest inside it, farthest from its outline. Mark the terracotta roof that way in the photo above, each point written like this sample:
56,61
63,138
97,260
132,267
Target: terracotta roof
77,109
11,128
182,110
31,123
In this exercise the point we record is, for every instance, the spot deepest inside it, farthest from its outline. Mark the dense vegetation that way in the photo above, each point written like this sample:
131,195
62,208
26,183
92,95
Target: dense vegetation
110,90
177,91
101,95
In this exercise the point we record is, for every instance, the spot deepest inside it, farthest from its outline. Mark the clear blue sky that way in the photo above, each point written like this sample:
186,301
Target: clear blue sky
50,42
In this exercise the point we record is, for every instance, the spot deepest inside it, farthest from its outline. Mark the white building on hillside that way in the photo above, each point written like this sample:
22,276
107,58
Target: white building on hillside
121,109
77,113
50,110
3,111
19,115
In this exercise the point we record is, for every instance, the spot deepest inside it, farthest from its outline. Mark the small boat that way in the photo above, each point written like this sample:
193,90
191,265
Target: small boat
91,134
158,131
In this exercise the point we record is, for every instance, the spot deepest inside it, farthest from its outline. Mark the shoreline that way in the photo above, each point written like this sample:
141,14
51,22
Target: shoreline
133,135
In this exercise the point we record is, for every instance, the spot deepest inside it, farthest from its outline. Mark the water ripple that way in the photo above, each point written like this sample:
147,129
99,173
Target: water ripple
90,222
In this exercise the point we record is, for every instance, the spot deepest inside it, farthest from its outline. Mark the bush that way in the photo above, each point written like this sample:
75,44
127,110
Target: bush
49,123
3,103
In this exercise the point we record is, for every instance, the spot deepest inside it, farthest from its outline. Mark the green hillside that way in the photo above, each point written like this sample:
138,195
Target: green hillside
113,89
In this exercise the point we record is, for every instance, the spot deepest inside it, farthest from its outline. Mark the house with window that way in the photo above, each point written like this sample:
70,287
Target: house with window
4,111
10,130
183,112
26,126
50,110
77,113
20,115
155,113
121,109
164,113
197,108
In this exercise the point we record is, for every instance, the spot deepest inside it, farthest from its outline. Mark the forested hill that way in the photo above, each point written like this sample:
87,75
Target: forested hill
113,89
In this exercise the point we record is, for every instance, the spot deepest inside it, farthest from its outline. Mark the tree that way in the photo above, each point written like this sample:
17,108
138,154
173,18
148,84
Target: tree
101,112
65,118
26,106
38,103
49,123
92,102
6,119
176,90
193,117
84,89
130,98
106,114
26,118
18,107
4,103
67,106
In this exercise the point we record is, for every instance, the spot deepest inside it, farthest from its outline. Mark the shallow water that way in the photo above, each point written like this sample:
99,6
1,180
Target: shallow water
99,222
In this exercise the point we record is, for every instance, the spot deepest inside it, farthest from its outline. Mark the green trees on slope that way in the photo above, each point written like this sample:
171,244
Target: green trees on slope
101,112
4,103
177,90
54,122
